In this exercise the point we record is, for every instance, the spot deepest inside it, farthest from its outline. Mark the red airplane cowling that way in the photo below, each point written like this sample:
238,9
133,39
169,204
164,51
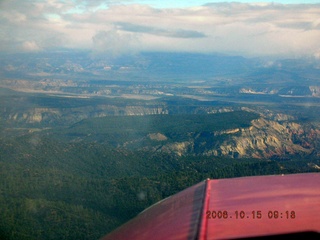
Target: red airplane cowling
263,207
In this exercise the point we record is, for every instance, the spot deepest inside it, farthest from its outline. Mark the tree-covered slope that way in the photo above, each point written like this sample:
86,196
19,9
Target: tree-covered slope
60,185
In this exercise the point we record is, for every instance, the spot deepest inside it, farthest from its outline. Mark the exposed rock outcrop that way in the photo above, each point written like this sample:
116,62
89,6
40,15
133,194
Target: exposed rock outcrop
264,138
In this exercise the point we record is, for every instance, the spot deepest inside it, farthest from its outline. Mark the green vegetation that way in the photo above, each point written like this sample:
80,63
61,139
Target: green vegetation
168,123
115,130
76,183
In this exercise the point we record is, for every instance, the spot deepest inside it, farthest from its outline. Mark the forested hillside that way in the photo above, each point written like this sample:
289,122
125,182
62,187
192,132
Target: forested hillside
82,181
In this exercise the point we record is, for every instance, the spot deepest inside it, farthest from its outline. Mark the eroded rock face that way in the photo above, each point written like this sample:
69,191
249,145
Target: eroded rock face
271,135
35,115
315,90
265,138
72,115
157,136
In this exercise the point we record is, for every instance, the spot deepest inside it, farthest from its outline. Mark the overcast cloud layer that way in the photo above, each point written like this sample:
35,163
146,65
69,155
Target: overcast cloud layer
248,29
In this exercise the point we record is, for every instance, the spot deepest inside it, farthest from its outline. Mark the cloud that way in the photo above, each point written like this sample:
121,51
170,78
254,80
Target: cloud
30,46
175,33
116,27
317,55
114,43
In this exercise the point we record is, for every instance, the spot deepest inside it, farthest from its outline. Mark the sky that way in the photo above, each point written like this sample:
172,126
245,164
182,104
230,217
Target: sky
115,27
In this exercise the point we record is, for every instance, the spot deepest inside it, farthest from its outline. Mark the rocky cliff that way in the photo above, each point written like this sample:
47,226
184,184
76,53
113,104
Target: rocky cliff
263,139
45,116
274,134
